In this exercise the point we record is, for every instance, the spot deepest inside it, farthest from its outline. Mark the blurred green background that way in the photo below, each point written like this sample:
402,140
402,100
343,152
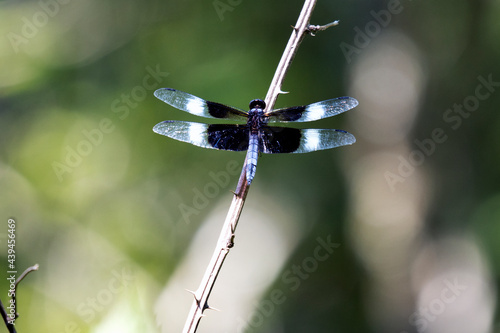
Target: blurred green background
397,233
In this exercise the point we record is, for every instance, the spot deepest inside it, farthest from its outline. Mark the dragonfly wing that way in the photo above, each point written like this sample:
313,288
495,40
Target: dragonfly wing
315,111
197,106
215,136
275,140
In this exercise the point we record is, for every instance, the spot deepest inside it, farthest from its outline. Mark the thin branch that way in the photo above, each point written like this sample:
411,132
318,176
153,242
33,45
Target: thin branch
312,29
19,279
5,317
26,272
226,238
298,34
225,242
9,322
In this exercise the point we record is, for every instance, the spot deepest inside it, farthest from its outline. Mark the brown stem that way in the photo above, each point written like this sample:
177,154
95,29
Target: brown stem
226,238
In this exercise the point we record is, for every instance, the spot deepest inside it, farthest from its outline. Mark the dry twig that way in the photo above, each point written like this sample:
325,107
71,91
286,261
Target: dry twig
226,238
9,322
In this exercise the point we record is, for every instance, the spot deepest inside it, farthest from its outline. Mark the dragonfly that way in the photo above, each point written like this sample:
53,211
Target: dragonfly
255,136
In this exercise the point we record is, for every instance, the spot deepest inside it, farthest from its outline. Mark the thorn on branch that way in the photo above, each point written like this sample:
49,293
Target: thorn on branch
312,29
205,306
212,308
202,308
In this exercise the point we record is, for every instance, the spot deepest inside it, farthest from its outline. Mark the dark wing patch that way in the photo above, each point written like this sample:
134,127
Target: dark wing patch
225,137
218,110
293,113
197,106
228,137
276,140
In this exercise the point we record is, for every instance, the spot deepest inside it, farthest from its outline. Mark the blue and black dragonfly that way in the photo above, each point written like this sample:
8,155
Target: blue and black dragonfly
255,136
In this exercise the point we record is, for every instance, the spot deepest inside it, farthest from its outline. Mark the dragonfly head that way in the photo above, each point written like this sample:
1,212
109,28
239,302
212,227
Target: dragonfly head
257,104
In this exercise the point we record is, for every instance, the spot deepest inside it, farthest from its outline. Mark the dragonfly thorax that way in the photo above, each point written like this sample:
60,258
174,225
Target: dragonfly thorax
256,115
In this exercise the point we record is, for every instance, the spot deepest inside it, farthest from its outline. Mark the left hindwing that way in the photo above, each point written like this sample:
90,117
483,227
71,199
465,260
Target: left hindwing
216,136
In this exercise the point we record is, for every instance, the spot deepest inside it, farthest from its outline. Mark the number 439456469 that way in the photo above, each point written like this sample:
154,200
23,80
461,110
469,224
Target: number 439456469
11,243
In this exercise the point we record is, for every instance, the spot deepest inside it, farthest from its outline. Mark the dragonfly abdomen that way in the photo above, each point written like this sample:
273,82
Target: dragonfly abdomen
252,155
